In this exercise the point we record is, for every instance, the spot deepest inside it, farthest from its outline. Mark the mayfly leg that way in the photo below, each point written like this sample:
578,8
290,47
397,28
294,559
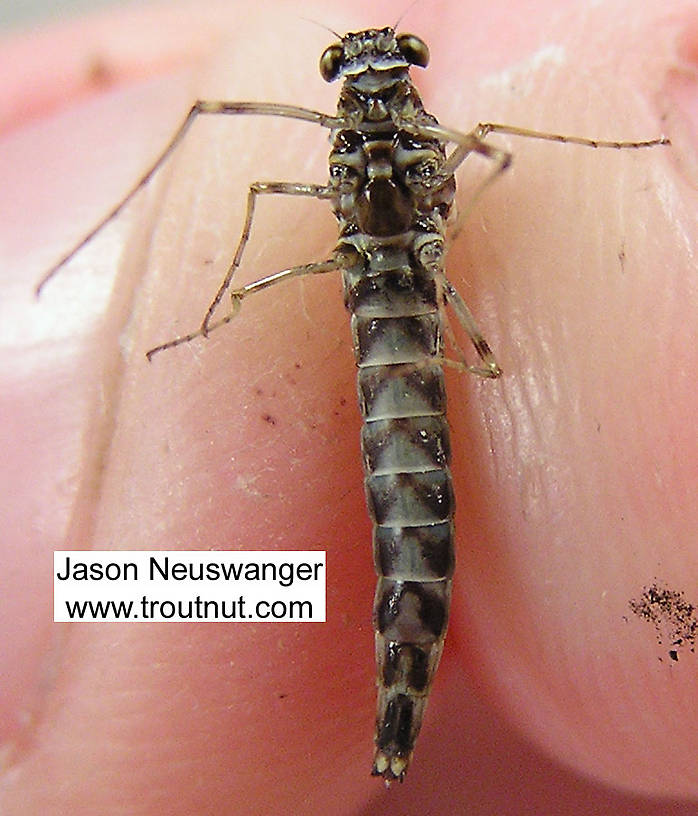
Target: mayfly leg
257,188
491,368
200,107
474,142
237,296
484,128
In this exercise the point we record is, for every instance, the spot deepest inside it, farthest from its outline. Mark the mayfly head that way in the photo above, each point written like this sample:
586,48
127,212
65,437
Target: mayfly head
372,50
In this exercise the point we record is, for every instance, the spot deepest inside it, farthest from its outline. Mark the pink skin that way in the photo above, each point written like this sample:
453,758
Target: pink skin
575,473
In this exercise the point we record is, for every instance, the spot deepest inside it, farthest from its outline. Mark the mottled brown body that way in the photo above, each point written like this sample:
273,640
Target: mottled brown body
391,205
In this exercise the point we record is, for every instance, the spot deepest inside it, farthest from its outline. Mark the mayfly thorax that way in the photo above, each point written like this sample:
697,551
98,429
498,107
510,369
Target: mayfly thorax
391,186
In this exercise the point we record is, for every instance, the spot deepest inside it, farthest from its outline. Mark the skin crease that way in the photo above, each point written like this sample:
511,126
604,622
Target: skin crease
574,473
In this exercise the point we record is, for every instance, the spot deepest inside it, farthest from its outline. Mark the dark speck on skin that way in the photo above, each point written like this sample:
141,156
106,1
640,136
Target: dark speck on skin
99,73
673,617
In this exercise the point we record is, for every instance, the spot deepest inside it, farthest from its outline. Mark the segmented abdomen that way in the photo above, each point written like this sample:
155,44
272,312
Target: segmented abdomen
397,342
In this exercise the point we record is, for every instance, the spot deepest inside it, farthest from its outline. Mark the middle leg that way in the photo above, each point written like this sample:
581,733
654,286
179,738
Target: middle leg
258,188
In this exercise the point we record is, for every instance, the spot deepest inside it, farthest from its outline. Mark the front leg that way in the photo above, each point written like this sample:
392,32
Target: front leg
200,107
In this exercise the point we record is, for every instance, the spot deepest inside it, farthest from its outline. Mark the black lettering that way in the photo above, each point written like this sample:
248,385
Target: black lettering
114,571
286,574
99,610
96,571
232,569
178,571
155,566
252,572
304,572
65,575
80,572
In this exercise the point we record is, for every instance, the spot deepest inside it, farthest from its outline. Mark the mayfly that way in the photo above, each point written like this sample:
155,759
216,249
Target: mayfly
391,186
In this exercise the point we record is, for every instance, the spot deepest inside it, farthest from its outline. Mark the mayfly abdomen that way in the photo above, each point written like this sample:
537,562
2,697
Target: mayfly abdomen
392,200
396,327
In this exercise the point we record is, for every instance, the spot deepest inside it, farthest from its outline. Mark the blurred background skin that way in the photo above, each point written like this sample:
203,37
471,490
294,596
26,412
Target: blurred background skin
25,14
575,474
